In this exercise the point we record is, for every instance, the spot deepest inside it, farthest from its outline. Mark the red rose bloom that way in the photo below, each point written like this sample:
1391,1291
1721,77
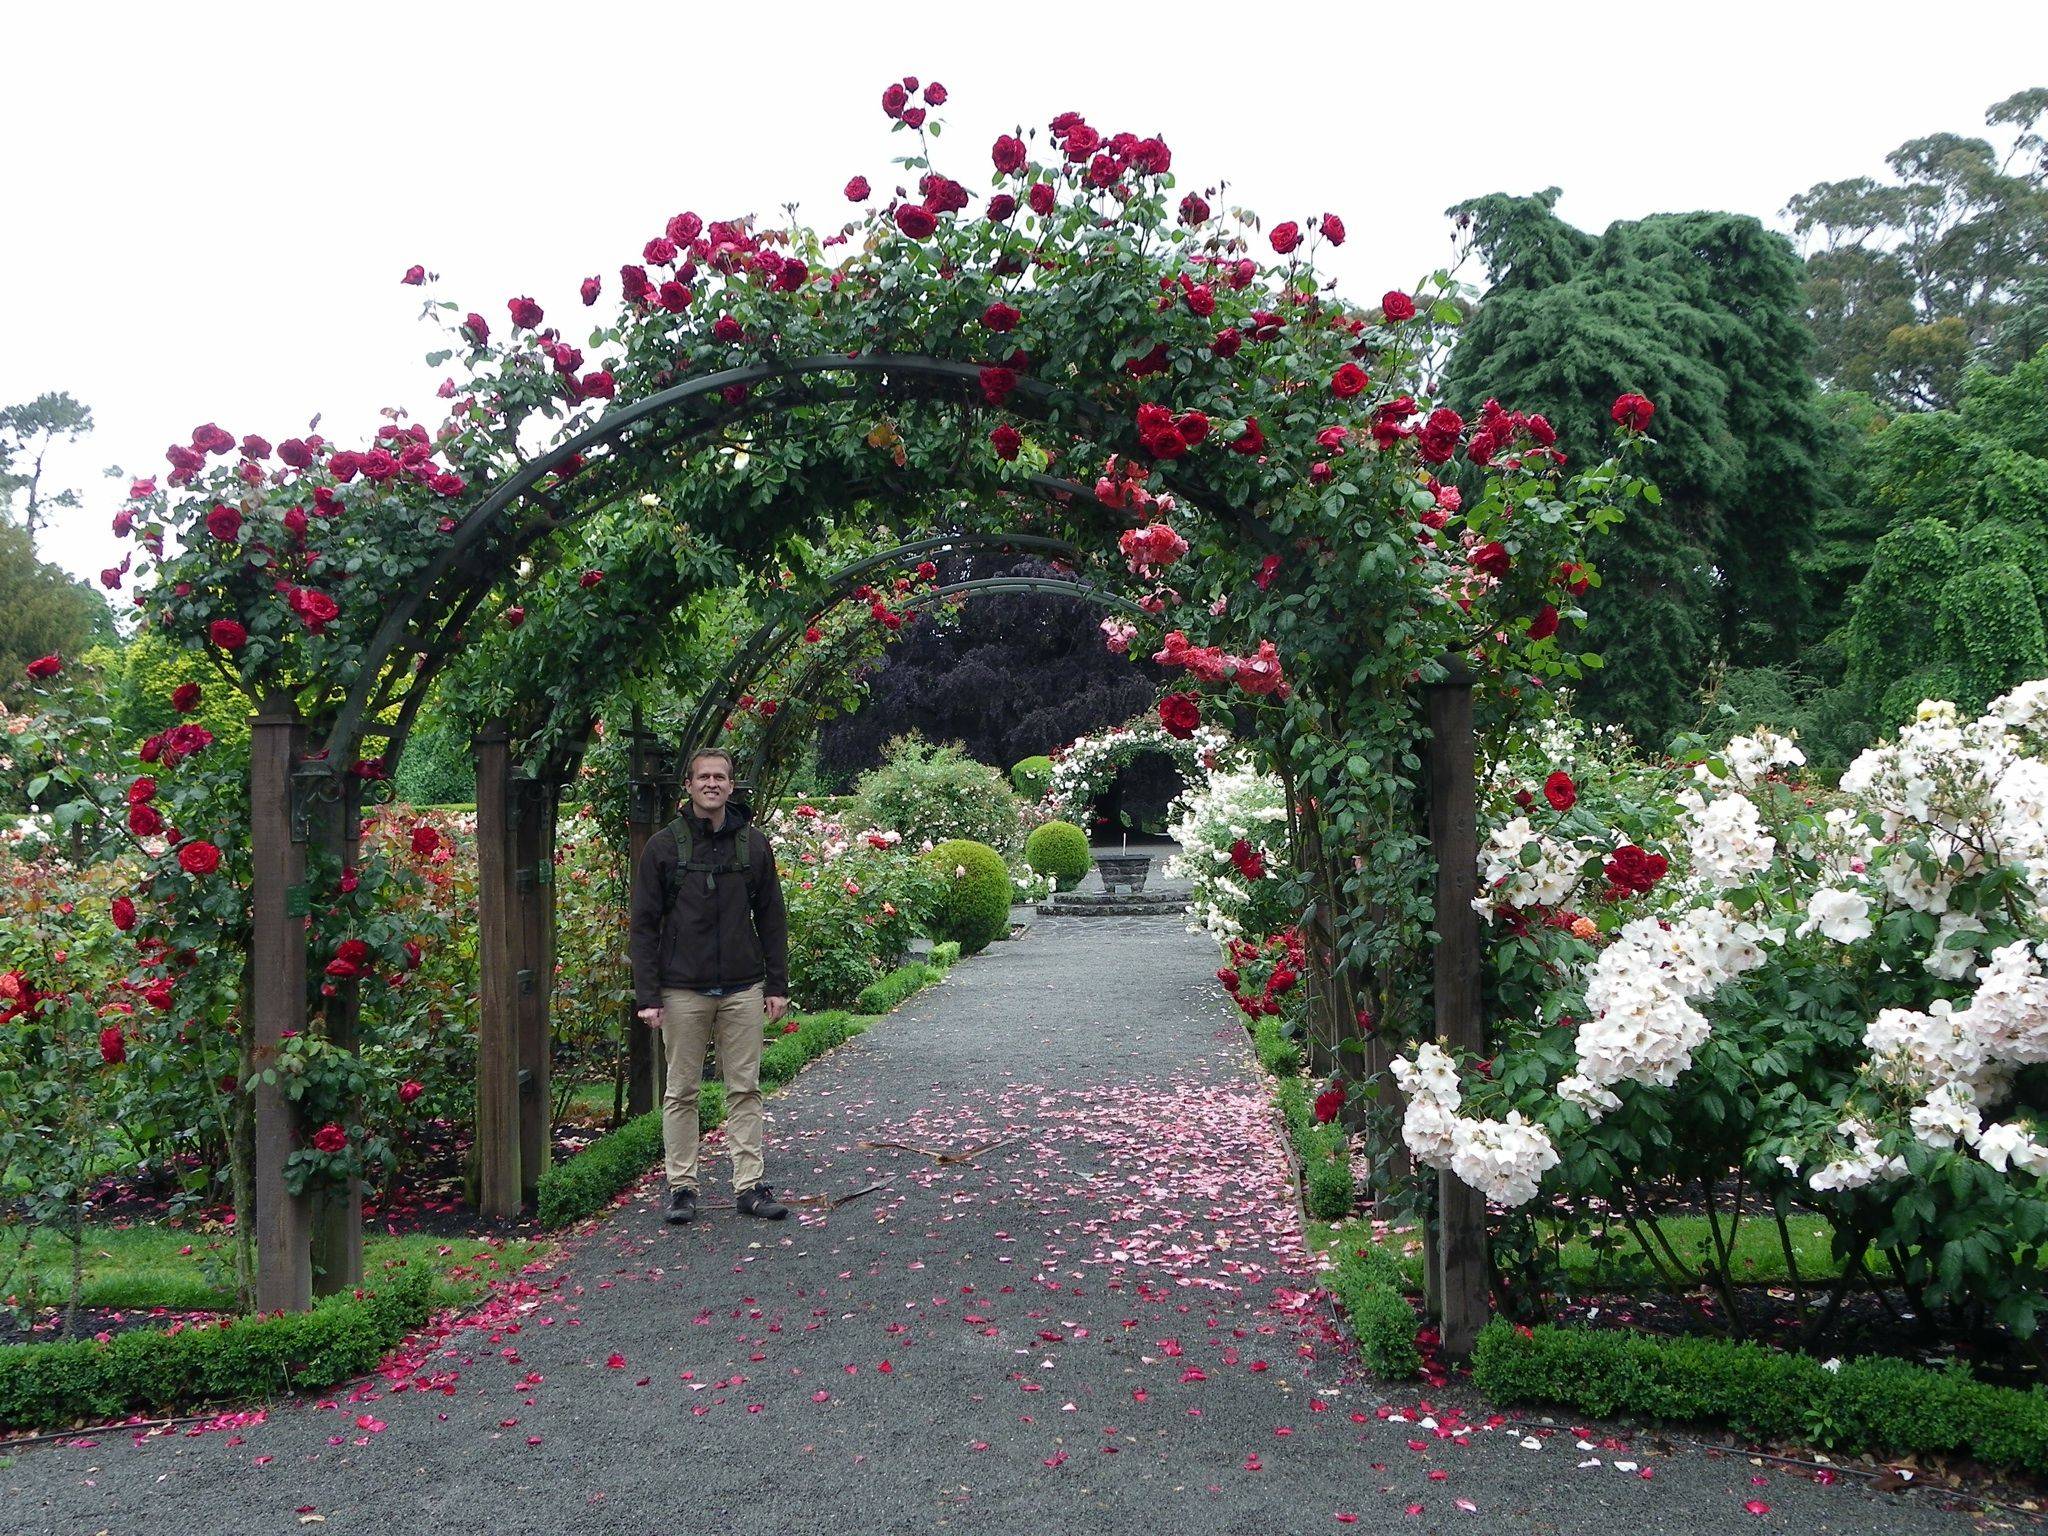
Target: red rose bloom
1227,342
1247,860
525,313
599,385
1180,713
813,634
145,820
1491,559
1330,1103
1573,580
1193,427
124,913
1200,299
343,970
1633,412
1397,307
1193,210
1009,154
659,252
1285,237
726,329
1251,440
199,858
477,329
1560,791
45,667
142,789
113,1045
590,579
1006,441
295,452
996,383
410,1090
1631,870
225,524
857,189
514,616
1544,625
915,221
894,100
186,698
425,840
1000,207
331,1138
1348,381
414,276
1041,197
1000,317
1333,229
935,93
673,297
592,287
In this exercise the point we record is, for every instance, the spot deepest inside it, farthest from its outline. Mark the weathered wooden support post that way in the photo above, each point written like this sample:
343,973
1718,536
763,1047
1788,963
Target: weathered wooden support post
652,794
534,803
277,1000
497,1045
335,828
1459,1251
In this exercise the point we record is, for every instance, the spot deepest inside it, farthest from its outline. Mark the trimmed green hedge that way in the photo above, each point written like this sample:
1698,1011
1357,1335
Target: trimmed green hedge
1874,1405
945,956
1369,1283
45,1386
971,909
783,1057
885,993
1059,849
1324,1150
1277,1054
587,1182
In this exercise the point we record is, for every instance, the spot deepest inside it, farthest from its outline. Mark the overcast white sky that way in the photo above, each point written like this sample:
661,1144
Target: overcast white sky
208,207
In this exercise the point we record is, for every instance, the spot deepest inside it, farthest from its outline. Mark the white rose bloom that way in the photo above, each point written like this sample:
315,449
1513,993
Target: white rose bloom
1953,964
1843,916
1949,1115
1588,1095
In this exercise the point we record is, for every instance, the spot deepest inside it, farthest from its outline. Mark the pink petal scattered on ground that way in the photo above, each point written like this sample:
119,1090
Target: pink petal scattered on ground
1757,1507
615,1363
1055,1458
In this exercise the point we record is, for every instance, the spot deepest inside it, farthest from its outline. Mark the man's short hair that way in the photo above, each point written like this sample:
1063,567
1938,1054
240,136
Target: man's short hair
703,752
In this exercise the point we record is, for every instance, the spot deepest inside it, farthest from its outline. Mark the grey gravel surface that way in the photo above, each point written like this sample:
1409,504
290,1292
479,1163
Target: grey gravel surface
1105,1322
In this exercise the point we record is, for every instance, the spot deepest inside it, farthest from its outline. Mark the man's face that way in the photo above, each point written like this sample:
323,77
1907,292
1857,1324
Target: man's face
710,786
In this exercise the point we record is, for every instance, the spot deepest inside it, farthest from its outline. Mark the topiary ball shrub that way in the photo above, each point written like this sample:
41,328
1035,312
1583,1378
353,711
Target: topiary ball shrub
1059,849
1032,777
972,907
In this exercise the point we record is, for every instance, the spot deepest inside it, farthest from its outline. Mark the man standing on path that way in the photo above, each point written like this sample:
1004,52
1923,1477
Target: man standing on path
710,947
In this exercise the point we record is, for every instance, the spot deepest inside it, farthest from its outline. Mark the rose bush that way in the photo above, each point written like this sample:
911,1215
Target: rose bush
1783,998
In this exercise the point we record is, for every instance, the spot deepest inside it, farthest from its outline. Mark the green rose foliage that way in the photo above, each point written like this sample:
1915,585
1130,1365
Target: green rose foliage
852,899
1059,849
972,904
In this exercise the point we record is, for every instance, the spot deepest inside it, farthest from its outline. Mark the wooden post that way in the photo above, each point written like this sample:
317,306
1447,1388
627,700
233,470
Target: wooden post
277,1001
497,1044
651,797
1459,1252
533,843
336,829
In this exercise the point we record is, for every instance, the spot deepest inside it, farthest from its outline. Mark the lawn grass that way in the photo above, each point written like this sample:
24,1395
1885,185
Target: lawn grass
1757,1256
136,1268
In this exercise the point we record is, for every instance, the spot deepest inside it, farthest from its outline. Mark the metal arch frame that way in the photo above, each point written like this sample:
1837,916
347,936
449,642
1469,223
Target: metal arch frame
775,636
1051,586
468,546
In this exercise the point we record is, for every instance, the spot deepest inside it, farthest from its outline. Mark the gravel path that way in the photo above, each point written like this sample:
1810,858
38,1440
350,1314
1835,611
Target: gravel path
1101,1322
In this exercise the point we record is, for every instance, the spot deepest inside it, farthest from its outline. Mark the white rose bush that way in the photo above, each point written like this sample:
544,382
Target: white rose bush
1712,983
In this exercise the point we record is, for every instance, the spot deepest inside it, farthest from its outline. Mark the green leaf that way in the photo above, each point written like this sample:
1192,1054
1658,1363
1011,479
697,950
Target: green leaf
1591,661
1444,312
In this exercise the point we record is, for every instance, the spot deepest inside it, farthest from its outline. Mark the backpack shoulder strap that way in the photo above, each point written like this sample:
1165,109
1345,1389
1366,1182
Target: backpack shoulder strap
679,829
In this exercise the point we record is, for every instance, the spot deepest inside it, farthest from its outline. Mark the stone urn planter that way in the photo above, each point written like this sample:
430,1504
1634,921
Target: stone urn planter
1123,869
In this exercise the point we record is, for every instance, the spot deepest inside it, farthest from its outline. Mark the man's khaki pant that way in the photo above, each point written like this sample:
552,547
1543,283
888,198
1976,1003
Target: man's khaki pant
689,1023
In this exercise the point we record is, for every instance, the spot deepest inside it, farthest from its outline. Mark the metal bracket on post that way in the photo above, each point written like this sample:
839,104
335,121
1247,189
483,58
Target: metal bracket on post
313,785
525,982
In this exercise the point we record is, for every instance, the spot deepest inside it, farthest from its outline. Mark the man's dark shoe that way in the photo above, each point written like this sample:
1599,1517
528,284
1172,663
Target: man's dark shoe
682,1206
760,1201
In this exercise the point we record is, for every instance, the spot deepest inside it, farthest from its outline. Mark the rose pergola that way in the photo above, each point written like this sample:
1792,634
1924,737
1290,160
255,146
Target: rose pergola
1086,351
1084,769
